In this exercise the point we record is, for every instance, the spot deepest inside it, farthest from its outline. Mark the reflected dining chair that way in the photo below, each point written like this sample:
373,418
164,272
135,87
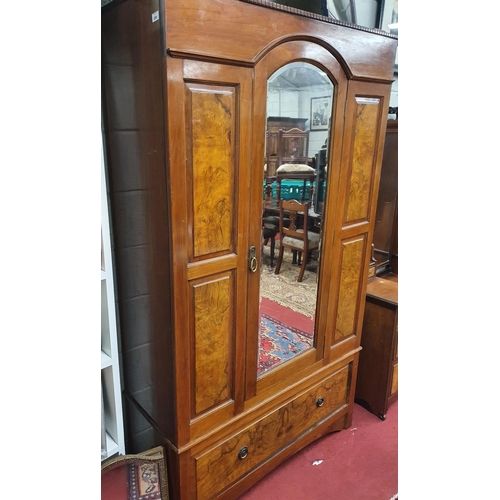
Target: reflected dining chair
293,146
270,229
296,236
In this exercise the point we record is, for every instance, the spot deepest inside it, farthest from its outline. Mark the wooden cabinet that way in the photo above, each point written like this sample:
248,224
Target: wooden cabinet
185,122
377,384
274,124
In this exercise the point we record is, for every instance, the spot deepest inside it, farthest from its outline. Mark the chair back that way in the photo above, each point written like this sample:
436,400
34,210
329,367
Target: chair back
296,213
293,146
296,236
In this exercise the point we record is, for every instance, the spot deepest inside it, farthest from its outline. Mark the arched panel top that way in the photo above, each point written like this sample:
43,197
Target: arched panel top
300,50
295,51
310,47
239,33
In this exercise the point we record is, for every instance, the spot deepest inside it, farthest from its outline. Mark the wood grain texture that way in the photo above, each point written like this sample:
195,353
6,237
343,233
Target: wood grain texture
221,466
245,33
213,342
353,253
394,385
187,102
383,289
211,122
234,85
363,159
376,385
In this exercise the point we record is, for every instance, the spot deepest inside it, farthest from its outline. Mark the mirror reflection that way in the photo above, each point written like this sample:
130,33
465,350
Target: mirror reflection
299,110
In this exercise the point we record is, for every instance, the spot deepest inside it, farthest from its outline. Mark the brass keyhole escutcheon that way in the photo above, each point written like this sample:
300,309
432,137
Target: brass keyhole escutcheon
243,453
320,402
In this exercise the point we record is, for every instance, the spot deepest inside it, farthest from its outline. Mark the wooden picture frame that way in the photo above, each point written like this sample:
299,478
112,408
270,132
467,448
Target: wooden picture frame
321,111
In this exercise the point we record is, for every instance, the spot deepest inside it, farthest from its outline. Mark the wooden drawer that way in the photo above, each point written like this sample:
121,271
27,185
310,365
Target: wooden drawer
221,466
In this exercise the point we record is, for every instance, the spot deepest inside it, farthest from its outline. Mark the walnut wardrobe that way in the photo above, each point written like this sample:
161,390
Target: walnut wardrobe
186,89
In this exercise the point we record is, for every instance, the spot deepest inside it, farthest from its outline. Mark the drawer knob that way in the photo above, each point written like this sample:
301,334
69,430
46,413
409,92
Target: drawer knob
243,453
320,402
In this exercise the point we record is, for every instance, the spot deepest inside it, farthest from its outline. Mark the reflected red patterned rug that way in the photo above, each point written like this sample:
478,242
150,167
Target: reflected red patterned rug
279,342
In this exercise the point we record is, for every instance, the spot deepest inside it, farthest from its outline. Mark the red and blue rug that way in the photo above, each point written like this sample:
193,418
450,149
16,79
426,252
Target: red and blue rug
279,342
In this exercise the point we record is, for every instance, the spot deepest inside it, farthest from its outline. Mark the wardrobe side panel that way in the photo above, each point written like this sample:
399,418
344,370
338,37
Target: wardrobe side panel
135,145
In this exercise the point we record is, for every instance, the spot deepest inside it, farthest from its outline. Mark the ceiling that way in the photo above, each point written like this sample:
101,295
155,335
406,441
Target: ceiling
299,76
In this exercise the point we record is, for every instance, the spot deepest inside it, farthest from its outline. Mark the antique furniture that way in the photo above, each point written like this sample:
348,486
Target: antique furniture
293,146
296,235
385,231
270,229
320,164
274,125
139,476
185,88
377,384
292,172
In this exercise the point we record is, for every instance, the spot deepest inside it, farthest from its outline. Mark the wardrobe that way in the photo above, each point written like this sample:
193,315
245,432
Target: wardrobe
185,106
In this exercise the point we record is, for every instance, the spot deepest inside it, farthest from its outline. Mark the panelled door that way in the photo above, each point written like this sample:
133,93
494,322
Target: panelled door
209,108
324,82
365,119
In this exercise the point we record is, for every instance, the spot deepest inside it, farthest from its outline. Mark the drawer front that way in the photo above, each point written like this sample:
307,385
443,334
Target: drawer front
224,464
394,385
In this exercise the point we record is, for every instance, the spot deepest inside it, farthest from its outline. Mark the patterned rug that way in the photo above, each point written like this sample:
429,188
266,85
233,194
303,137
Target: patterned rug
284,288
279,342
143,481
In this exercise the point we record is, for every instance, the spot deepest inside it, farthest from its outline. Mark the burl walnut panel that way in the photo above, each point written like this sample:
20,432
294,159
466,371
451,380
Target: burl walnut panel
213,342
221,466
353,253
211,124
363,159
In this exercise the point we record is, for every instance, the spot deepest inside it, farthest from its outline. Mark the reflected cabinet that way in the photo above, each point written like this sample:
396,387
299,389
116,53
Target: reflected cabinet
240,287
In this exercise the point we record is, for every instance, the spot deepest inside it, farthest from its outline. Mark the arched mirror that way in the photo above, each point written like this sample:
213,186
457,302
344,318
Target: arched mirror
299,111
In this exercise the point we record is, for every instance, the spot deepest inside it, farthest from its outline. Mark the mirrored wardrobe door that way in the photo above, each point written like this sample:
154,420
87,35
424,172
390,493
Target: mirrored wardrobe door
294,112
298,117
